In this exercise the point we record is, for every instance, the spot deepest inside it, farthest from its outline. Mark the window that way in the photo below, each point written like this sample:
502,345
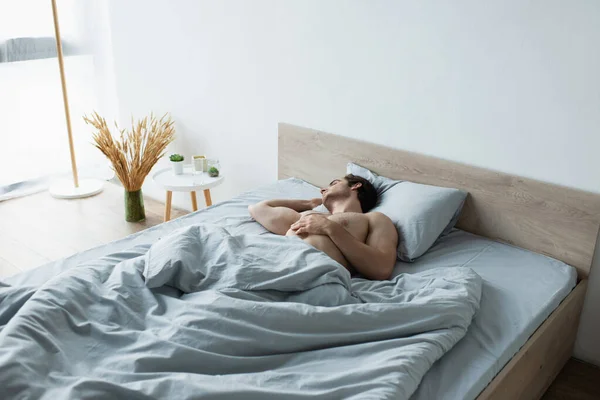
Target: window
33,134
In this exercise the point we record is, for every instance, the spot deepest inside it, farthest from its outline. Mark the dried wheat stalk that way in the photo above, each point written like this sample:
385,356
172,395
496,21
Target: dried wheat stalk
137,150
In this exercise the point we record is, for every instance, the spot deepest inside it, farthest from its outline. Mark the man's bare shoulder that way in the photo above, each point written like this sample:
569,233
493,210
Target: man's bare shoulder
376,215
379,219
382,233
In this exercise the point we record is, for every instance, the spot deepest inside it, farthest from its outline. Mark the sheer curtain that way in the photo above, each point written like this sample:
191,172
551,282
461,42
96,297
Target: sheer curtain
33,135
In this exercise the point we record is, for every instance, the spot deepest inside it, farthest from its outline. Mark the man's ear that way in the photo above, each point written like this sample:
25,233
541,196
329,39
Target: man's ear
356,186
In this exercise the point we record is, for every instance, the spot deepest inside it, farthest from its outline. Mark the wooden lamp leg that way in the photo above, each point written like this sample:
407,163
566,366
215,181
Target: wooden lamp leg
168,206
194,201
63,82
207,197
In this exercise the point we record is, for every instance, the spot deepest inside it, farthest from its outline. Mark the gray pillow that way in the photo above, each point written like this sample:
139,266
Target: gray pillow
380,183
421,213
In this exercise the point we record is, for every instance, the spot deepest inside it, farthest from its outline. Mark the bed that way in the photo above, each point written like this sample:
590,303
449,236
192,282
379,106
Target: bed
512,351
548,219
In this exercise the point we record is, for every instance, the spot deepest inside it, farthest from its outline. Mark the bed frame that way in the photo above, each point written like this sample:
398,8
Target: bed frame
557,221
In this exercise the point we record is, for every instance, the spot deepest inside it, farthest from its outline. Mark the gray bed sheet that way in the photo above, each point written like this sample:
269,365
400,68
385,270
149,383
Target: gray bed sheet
520,288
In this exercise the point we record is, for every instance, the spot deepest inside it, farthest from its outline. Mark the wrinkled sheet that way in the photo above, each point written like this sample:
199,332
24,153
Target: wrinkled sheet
204,313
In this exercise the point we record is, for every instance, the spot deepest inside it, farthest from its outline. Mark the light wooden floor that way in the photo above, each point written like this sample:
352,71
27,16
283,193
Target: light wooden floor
37,229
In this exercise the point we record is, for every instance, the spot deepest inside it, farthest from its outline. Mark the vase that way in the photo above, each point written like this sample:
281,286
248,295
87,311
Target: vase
134,206
177,167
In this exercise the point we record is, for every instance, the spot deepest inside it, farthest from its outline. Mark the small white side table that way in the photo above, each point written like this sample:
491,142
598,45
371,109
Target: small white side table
189,181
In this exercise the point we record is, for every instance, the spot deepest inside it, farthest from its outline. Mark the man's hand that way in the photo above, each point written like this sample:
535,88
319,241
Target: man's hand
312,224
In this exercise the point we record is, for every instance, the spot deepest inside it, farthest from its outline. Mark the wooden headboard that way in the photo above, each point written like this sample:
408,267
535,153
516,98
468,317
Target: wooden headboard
549,219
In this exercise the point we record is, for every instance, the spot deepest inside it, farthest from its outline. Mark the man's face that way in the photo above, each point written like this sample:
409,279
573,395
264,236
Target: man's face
337,189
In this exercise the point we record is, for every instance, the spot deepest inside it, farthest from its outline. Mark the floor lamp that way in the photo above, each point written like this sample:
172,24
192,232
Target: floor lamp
66,188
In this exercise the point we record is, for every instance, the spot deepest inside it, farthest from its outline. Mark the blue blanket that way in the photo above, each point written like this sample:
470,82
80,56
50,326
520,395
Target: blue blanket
203,313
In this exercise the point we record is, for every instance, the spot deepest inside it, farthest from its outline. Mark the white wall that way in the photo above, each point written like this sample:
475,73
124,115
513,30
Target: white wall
509,85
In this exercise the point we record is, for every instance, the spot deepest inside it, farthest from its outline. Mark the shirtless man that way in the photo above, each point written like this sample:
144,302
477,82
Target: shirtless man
362,241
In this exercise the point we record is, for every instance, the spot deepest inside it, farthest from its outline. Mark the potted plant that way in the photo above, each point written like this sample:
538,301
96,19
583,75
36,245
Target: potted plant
213,168
133,153
213,172
177,163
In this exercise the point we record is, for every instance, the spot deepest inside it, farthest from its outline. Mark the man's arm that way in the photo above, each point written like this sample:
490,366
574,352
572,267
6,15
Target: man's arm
277,215
374,259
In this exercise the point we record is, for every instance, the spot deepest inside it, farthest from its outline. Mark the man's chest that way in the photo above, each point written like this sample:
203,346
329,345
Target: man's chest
355,223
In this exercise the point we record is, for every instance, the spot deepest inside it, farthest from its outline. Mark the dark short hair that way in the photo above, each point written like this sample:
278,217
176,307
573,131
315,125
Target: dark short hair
367,195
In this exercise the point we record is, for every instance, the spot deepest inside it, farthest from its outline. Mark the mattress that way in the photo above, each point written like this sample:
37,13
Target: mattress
521,288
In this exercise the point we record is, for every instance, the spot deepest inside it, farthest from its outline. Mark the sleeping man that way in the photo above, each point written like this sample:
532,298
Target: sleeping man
362,241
